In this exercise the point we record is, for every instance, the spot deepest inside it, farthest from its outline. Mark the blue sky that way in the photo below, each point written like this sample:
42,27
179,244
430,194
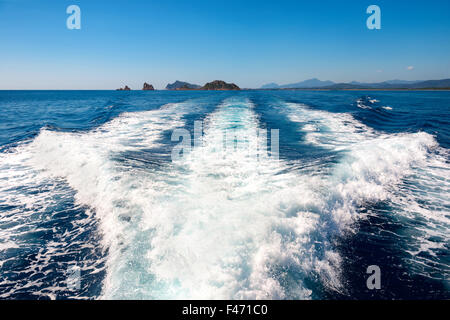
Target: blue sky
247,42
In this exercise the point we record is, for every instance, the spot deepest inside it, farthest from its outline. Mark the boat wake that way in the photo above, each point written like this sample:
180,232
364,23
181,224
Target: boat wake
212,225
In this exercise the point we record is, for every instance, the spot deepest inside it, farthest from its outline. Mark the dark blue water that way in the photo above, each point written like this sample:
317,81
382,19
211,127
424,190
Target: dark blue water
88,181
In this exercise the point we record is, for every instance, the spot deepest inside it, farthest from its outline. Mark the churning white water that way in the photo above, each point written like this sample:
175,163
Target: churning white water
216,225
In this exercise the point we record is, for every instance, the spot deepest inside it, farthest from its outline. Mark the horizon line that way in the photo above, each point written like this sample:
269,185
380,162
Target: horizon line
246,88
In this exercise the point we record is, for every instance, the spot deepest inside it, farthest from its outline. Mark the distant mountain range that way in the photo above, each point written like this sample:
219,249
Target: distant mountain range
214,85
391,84
181,85
310,83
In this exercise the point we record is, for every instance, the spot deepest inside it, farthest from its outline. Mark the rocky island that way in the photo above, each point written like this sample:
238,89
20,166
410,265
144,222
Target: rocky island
126,88
220,85
181,85
147,87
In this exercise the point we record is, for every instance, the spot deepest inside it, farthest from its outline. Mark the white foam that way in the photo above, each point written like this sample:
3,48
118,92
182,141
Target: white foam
360,104
226,226
331,130
409,170
85,161
209,226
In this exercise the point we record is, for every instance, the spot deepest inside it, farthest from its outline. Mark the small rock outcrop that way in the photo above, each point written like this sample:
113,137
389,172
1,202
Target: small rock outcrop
147,86
126,88
220,85
181,85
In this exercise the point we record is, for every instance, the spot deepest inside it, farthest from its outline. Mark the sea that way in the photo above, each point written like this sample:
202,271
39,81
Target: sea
352,190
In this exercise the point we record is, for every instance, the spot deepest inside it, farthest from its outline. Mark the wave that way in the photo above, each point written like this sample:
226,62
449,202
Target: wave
214,225
38,178
409,171
226,226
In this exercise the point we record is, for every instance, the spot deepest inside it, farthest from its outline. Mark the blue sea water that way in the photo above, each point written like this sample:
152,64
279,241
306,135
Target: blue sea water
87,181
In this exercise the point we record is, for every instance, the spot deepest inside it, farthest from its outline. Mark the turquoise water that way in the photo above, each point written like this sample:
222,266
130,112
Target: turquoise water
87,180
